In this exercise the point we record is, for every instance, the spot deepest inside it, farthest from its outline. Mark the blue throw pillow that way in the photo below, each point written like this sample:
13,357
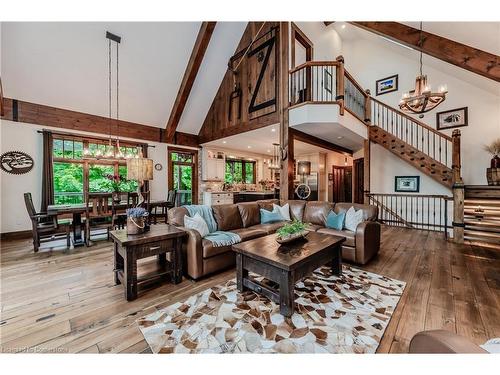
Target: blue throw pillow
335,221
268,217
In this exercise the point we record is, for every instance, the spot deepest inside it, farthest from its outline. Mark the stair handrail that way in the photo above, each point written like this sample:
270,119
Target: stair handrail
420,123
308,64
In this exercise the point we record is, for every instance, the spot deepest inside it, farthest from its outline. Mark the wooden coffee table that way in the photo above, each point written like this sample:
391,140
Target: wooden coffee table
285,264
158,241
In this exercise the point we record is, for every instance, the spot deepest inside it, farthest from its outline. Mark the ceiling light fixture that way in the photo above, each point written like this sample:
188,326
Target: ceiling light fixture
343,26
273,129
422,99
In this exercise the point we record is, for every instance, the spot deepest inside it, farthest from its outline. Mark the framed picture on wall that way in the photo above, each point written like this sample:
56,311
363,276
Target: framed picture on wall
453,118
386,85
407,184
327,81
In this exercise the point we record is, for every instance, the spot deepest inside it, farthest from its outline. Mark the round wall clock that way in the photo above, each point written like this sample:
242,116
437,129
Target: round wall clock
158,167
16,162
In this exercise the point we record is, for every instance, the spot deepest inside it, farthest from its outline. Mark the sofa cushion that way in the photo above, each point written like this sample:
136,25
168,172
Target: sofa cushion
313,227
227,217
249,233
316,212
249,212
296,208
197,223
267,204
269,228
209,250
353,218
369,212
335,221
350,238
176,216
268,217
283,210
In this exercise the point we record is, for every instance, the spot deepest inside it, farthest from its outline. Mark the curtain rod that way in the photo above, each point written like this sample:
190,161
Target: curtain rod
88,136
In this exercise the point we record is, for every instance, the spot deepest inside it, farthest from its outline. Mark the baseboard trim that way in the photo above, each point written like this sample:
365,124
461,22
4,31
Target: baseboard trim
19,235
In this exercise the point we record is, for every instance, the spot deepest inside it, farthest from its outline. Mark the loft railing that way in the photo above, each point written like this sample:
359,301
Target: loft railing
428,212
313,82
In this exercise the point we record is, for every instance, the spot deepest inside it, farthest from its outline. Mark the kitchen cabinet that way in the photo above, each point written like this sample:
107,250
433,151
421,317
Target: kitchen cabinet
213,166
217,198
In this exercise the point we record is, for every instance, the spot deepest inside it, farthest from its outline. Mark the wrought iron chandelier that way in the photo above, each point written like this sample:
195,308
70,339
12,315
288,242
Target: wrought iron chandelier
422,99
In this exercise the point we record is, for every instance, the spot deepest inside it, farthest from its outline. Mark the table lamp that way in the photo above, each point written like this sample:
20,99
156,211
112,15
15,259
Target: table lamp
140,169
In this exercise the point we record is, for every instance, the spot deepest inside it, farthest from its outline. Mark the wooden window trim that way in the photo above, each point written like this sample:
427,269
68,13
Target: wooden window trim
243,169
299,36
194,164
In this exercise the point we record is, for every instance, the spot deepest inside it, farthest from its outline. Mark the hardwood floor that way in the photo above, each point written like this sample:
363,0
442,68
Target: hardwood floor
66,301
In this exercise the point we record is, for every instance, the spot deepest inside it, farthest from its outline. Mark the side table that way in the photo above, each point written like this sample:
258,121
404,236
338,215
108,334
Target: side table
158,241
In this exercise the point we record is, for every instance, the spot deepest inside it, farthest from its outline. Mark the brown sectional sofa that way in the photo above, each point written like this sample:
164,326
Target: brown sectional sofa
201,258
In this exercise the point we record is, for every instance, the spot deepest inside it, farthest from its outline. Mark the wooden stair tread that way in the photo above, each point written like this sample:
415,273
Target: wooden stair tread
413,156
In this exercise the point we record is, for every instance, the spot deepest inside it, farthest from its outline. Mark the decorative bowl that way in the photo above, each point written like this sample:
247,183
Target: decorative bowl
292,237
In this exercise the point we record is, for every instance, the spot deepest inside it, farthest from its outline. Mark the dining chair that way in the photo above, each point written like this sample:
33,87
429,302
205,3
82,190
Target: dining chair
99,214
46,227
164,206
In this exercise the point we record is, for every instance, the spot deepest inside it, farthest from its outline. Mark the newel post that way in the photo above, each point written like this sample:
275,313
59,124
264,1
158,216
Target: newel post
458,190
368,107
340,83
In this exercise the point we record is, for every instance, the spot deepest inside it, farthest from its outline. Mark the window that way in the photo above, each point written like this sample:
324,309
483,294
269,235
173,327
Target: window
240,171
74,174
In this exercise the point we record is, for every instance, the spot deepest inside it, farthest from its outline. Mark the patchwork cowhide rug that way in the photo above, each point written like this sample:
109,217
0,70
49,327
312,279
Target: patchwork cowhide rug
333,315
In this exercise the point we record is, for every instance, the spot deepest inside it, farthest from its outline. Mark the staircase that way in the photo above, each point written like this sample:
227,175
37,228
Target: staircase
413,141
435,154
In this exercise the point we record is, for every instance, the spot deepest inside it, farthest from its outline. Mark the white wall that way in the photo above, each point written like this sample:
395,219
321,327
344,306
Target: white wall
372,58
327,42
24,137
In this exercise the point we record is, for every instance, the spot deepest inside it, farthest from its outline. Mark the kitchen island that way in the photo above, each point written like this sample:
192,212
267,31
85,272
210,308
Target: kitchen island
252,196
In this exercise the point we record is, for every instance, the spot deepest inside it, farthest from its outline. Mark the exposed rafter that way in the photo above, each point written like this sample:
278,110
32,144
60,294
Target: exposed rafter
199,49
461,55
31,113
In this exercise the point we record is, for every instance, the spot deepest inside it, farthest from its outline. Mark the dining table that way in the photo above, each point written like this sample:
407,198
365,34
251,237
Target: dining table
78,209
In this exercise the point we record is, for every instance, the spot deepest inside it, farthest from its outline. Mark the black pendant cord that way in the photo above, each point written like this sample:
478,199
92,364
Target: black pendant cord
117,97
109,87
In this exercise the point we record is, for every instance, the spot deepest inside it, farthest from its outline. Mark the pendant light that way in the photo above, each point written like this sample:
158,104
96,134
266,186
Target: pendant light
275,160
422,99
109,153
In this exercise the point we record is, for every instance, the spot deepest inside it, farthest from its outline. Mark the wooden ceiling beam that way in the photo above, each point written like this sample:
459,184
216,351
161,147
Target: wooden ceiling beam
298,135
466,57
31,113
194,63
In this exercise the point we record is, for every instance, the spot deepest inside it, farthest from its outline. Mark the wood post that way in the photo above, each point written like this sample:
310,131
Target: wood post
286,140
368,108
340,83
366,170
458,190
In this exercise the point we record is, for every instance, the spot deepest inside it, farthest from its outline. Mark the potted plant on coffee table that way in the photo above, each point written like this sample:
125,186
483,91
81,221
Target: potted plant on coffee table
291,232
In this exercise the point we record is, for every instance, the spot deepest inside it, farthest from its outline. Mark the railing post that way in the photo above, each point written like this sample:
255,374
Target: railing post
458,190
340,83
368,107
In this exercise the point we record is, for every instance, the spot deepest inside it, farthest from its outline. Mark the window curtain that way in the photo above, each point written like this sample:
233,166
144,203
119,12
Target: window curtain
47,171
145,186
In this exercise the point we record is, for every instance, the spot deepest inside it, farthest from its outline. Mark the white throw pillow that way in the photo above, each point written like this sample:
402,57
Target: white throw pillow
197,223
352,219
284,211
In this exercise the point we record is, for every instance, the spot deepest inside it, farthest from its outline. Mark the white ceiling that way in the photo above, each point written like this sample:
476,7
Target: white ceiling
222,46
481,35
260,141
65,65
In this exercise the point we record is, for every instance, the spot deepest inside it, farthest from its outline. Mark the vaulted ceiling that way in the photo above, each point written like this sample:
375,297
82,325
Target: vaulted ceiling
65,65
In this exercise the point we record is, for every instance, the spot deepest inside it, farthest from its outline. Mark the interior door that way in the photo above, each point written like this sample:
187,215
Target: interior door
342,183
359,181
